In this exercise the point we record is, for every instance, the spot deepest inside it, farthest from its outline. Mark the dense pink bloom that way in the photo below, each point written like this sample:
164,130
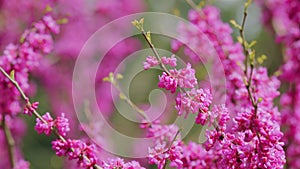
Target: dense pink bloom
172,61
51,24
30,108
75,150
168,82
42,127
254,137
283,18
22,58
194,101
185,77
151,61
62,125
161,153
120,163
162,133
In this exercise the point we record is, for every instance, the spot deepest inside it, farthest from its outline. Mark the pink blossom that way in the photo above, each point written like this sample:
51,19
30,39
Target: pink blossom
167,82
161,153
194,101
172,61
185,77
120,163
151,61
283,18
42,127
51,24
75,150
62,125
162,133
30,108
239,147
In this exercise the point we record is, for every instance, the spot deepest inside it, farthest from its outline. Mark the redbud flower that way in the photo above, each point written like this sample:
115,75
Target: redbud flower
167,82
40,41
192,101
62,125
161,153
172,61
76,149
119,163
162,133
151,61
30,108
185,77
61,148
42,127
51,24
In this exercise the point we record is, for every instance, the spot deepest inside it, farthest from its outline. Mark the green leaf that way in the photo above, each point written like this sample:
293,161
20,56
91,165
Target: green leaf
48,8
261,59
148,36
260,100
139,24
105,79
252,44
141,21
12,74
62,21
240,39
248,3
119,76
122,96
233,22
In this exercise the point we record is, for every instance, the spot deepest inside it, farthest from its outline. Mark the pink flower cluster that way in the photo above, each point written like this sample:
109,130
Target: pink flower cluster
22,58
167,145
61,123
119,163
172,61
76,150
30,108
254,138
18,60
151,61
191,101
170,80
283,17
194,101
246,129
161,153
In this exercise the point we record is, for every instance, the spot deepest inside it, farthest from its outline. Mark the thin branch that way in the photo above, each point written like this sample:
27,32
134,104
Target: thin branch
35,113
170,146
155,52
244,39
249,77
247,54
10,142
192,4
127,99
